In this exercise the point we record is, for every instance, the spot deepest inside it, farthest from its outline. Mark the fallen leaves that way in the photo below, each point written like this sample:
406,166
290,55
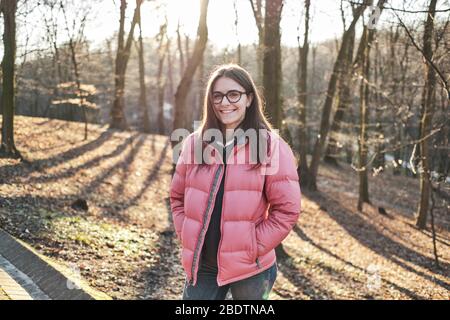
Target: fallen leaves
125,245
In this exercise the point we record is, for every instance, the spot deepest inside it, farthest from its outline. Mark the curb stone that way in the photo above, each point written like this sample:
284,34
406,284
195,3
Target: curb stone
49,276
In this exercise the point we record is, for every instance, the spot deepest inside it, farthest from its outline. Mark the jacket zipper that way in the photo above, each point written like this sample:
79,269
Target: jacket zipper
205,218
221,231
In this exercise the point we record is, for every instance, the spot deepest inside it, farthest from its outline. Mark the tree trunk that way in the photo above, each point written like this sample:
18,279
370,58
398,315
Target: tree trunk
257,12
73,56
272,62
118,120
378,162
201,90
272,78
302,77
78,82
143,89
404,67
186,45
52,37
344,101
236,20
325,120
186,80
428,99
362,140
393,39
8,148
180,50
366,44
171,93
161,84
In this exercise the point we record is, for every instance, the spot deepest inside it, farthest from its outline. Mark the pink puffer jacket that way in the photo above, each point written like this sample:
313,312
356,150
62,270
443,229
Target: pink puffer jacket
258,210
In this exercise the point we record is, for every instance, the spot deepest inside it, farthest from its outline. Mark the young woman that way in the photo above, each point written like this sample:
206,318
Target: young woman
231,208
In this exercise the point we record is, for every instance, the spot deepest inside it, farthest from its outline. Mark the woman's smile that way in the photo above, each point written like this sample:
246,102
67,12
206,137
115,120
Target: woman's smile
227,111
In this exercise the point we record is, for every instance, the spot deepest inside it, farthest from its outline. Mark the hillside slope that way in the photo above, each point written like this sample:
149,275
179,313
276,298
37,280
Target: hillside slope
124,245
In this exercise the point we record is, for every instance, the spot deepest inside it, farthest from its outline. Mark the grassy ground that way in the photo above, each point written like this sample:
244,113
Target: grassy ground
124,244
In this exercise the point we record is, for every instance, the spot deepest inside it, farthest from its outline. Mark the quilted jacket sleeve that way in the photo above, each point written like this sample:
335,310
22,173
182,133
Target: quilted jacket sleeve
283,194
177,187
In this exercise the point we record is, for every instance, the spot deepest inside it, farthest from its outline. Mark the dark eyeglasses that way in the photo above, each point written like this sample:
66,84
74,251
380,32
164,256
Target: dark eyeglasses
233,96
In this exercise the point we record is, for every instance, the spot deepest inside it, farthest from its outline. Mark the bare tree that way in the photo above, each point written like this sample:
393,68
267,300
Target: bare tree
428,101
379,161
394,36
171,91
180,50
302,77
118,119
364,115
310,178
75,40
272,62
363,60
143,93
272,75
344,99
187,41
257,8
8,148
197,112
50,14
236,20
161,82
185,83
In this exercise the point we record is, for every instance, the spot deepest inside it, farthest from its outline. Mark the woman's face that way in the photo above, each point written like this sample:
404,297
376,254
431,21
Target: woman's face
231,110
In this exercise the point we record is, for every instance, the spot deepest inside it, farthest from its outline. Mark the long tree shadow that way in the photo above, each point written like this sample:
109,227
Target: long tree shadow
150,179
92,187
305,238
379,243
47,121
69,172
402,208
128,162
94,184
439,238
27,216
302,283
25,168
162,268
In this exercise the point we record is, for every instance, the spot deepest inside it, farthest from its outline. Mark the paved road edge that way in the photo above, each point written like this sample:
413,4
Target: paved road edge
51,277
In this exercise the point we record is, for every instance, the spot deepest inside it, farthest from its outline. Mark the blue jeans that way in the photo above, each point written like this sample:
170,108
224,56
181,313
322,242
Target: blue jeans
256,287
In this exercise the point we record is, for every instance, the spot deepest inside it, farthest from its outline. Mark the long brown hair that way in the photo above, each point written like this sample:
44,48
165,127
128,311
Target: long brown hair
254,114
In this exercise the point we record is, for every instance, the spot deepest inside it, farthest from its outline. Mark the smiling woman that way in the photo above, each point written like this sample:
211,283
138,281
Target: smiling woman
232,100
231,110
227,232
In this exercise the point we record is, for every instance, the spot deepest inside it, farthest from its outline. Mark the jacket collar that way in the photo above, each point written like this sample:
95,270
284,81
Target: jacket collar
238,140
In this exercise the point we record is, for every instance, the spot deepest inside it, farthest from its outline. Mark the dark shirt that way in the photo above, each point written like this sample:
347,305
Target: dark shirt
212,237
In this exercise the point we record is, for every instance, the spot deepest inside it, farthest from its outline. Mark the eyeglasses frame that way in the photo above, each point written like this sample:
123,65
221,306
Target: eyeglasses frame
226,95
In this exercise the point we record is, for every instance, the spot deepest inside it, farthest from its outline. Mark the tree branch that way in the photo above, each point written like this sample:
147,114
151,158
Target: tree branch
399,10
429,61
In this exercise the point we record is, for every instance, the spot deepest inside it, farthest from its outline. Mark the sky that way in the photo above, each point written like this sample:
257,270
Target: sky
326,20
221,16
